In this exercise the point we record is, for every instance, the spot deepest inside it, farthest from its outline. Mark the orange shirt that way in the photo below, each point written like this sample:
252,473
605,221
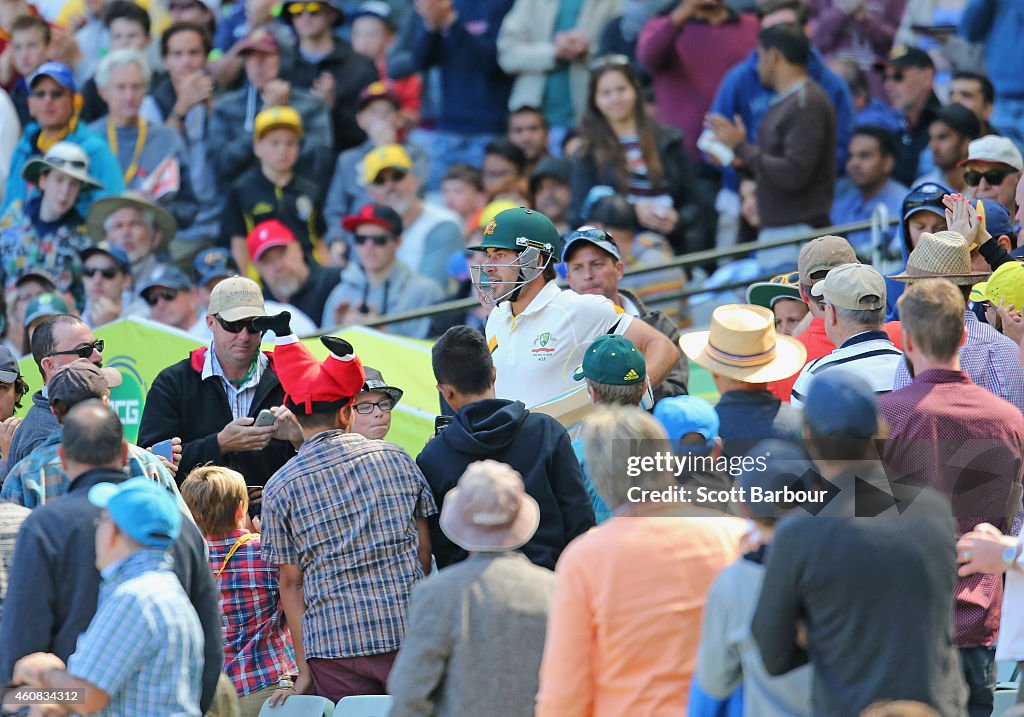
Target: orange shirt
818,344
625,621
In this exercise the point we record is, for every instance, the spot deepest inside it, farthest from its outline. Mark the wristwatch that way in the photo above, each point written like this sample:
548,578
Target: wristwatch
1011,553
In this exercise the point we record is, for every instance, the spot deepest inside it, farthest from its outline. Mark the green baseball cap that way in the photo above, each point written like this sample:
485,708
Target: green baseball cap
518,228
614,360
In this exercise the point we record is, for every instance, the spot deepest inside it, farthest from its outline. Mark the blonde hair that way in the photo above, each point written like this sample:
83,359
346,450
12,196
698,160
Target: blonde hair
615,439
213,494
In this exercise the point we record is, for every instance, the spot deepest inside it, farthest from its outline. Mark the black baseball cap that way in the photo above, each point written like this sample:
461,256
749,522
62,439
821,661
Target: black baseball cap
904,56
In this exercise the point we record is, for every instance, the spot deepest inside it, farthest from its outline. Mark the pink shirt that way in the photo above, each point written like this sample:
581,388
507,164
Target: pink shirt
625,623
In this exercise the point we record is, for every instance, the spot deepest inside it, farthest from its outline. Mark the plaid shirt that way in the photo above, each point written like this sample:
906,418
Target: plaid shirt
257,644
990,359
960,440
144,646
343,510
39,477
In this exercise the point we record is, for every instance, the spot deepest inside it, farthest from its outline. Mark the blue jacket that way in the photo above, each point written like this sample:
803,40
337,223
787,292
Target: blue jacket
102,165
474,90
894,289
741,93
997,23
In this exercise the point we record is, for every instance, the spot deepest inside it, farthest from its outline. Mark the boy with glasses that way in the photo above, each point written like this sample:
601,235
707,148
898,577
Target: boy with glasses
373,405
211,398
377,282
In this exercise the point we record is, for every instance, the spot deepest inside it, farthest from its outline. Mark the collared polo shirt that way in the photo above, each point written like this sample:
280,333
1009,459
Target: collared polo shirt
536,352
253,199
869,354
239,397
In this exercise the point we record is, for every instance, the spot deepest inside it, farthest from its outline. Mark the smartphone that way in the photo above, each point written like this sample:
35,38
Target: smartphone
441,423
265,418
164,450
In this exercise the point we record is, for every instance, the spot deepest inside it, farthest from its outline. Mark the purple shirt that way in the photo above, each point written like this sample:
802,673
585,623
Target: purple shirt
962,441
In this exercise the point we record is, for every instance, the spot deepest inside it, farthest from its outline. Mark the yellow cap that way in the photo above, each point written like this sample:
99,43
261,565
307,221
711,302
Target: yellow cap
387,156
493,209
275,117
1006,284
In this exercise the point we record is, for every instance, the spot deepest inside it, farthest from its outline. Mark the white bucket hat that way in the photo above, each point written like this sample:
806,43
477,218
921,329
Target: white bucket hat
66,157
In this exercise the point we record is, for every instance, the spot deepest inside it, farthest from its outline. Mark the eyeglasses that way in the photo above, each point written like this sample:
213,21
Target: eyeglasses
377,239
235,327
894,77
393,176
108,273
52,94
614,60
153,297
297,8
82,351
994,177
385,405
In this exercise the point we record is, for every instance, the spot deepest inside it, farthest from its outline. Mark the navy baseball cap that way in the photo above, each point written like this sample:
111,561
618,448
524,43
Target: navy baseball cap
785,466
119,255
688,414
997,219
56,71
841,404
215,263
142,509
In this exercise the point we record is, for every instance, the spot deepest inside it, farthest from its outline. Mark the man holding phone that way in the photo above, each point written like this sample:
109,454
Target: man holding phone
212,399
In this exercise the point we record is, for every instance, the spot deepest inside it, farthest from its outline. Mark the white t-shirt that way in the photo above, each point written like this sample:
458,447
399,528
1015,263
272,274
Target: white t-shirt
537,352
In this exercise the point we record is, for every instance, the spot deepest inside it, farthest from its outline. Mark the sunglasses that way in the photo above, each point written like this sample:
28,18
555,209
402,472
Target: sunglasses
82,351
392,176
596,235
108,273
235,327
894,76
378,239
385,405
52,94
68,163
994,177
614,60
297,8
927,196
153,297
790,279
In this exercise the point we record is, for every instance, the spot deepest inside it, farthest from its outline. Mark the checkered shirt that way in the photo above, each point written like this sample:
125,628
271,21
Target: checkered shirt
257,644
343,510
144,646
990,359
39,477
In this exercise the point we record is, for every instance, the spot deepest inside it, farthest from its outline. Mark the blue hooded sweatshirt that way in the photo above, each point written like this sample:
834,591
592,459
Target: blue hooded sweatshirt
741,93
894,289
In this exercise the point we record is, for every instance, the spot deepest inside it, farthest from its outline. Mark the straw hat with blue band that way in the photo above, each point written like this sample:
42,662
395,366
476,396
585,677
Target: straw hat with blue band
743,345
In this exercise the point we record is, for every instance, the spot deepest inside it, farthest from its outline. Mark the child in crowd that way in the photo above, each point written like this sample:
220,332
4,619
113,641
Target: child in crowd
30,44
274,190
257,644
782,296
47,233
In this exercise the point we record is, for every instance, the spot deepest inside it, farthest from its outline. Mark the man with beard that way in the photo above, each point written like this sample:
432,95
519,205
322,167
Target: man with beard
288,277
867,184
550,192
387,171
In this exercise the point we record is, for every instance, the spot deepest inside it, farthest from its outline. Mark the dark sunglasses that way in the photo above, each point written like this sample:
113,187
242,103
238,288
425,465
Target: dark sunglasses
894,76
108,273
614,60
378,239
82,351
595,235
928,195
153,297
385,405
994,177
235,327
392,176
52,94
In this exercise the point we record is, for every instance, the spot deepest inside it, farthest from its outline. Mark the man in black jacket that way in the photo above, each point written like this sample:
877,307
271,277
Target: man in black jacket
212,398
535,445
54,583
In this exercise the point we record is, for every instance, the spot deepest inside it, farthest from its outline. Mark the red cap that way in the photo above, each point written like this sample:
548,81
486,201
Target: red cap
337,379
261,40
377,214
266,235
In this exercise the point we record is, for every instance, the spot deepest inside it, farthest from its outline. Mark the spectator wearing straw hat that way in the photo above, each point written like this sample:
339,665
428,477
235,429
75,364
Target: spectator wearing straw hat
854,299
456,644
373,405
990,359
958,439
47,232
743,353
134,223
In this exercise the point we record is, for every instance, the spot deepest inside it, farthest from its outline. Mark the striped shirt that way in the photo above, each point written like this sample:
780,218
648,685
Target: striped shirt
144,646
990,359
869,354
344,511
240,398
